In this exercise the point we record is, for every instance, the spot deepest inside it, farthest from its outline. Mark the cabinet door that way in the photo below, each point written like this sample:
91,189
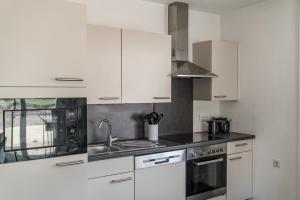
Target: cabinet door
239,176
146,67
43,179
114,187
219,198
104,65
165,182
43,43
225,65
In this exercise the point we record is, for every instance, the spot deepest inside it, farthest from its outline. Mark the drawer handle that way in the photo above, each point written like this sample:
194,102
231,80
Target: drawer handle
158,98
64,164
220,96
109,98
236,158
241,145
69,79
121,180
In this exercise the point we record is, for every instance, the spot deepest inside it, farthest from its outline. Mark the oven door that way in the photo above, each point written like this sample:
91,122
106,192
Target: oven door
206,177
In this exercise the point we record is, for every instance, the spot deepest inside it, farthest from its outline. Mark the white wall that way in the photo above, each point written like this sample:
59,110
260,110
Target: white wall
128,14
152,17
267,33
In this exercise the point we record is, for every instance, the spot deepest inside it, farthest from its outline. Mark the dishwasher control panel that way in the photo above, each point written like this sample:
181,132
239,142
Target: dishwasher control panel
157,159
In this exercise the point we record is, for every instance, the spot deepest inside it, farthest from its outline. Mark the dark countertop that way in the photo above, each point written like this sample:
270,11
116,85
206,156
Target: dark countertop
172,146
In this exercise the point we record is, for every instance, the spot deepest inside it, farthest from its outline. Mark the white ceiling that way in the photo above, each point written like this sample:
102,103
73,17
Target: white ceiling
213,6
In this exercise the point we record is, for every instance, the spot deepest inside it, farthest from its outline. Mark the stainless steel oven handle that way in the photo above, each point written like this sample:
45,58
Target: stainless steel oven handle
208,162
64,164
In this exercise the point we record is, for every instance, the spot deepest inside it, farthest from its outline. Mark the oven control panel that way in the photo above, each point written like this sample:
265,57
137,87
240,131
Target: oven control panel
205,151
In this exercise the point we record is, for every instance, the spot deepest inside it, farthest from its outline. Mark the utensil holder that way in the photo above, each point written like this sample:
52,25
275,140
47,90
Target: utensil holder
153,132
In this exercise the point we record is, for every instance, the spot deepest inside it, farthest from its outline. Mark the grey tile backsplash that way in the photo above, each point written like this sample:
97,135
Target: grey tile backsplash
178,115
126,118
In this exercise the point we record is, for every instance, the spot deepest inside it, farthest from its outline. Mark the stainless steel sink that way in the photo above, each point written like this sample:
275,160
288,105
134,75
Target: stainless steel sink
122,146
100,149
132,145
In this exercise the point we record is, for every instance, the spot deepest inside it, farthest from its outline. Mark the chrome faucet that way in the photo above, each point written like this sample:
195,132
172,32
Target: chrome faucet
110,138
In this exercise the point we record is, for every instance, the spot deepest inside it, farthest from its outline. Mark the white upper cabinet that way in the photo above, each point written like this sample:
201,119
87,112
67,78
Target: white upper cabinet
43,43
104,65
146,67
222,59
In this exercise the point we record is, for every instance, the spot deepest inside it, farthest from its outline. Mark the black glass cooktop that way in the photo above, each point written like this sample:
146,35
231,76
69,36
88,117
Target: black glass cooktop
191,137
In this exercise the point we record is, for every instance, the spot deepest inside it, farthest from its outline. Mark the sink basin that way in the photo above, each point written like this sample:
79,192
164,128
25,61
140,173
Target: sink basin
99,149
122,146
136,145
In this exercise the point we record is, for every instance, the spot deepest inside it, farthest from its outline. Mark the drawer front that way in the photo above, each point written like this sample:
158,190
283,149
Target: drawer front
114,187
110,167
239,146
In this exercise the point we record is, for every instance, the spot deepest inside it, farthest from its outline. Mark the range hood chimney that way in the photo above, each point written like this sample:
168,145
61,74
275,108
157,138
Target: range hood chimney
178,18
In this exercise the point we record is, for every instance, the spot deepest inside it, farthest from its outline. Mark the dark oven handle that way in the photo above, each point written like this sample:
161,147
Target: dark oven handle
198,164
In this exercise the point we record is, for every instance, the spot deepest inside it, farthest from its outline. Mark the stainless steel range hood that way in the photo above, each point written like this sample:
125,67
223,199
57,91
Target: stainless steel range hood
178,18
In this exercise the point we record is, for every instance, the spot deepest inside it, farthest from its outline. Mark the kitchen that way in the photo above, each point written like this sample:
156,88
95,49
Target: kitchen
45,43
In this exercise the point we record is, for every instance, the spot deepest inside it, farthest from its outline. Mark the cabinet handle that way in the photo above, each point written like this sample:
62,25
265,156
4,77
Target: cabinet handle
241,145
109,98
220,96
121,180
64,164
69,79
236,158
161,98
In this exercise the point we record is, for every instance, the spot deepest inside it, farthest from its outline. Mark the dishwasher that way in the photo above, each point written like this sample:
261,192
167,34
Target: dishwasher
160,176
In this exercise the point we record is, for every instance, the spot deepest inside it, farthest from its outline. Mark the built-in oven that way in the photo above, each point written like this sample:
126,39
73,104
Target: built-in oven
33,129
206,172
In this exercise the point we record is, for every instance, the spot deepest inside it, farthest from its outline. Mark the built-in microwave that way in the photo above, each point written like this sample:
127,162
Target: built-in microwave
40,128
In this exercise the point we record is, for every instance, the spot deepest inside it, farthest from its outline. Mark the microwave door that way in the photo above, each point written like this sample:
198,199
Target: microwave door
39,128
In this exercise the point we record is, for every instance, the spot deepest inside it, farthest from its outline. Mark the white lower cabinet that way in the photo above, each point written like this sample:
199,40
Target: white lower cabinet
223,197
166,182
115,187
111,179
46,179
239,175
